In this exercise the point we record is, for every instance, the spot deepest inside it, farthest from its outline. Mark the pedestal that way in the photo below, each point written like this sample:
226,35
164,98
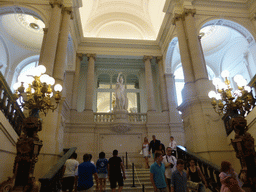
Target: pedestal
121,121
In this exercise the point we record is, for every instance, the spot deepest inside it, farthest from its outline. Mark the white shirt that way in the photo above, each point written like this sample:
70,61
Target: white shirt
173,145
71,168
169,170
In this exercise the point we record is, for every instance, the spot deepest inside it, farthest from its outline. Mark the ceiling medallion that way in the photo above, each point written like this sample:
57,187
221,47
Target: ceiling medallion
30,22
34,26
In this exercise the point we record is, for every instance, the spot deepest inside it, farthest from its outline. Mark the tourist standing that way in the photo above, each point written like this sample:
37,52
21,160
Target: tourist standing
145,151
101,166
173,146
70,173
170,166
195,174
115,165
179,178
85,172
154,145
157,174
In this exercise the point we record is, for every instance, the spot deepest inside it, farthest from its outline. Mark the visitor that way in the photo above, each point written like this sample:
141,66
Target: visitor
154,145
173,146
70,173
195,174
145,151
170,166
161,149
157,174
101,166
85,172
115,165
229,178
179,178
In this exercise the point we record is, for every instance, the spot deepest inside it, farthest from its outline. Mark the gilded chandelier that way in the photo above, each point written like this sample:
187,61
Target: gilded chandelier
224,99
34,91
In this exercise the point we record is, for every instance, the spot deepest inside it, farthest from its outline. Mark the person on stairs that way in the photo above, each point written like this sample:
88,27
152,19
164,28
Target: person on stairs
157,174
170,166
145,152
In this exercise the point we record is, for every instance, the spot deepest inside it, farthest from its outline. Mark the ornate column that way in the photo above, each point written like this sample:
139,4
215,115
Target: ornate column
162,84
79,58
43,45
189,90
196,54
184,51
48,55
90,82
149,84
61,53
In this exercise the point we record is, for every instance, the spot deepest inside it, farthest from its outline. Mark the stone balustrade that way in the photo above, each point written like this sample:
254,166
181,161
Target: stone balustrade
109,117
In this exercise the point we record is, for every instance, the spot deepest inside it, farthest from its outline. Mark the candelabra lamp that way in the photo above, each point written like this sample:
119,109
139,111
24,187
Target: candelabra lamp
234,105
34,94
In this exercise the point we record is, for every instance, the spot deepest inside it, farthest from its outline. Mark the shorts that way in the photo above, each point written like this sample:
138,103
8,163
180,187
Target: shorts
113,181
162,190
102,175
68,183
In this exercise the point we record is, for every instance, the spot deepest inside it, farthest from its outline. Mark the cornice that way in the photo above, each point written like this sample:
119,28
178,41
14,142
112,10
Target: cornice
102,46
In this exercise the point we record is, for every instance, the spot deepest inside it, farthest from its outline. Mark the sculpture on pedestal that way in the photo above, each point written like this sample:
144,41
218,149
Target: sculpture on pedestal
121,100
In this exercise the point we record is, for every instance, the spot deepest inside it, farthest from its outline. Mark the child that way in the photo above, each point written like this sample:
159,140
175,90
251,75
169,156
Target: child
229,179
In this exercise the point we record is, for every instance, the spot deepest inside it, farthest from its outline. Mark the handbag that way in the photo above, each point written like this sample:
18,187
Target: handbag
141,153
193,185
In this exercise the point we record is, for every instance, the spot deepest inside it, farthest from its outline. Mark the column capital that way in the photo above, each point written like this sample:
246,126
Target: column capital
69,11
147,58
79,56
177,17
159,59
171,75
90,55
189,11
56,2
253,17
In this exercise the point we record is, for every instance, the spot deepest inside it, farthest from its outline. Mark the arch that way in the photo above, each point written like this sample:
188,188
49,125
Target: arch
21,65
23,9
236,25
169,67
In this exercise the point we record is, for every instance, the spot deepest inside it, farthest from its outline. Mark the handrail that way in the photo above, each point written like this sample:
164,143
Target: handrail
9,106
134,171
210,171
50,182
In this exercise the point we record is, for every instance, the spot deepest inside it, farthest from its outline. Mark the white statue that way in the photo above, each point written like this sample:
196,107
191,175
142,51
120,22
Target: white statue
121,100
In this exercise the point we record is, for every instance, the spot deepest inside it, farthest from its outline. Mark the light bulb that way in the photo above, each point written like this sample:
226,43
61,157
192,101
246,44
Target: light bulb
248,89
29,79
225,73
218,96
212,94
242,82
44,78
58,87
22,78
41,68
16,86
32,90
238,78
51,81
36,72
216,82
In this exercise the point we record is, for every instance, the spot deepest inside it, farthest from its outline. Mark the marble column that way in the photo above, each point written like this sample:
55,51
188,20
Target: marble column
61,53
197,57
247,65
149,84
90,82
79,57
43,45
184,51
48,55
162,84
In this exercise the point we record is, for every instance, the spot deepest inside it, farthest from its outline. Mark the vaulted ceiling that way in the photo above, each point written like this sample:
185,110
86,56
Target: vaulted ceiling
123,19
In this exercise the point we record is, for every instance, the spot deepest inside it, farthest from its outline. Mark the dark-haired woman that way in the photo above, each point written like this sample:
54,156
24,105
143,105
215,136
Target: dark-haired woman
195,174
101,166
229,178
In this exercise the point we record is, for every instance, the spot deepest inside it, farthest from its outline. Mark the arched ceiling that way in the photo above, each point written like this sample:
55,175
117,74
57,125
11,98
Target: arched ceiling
122,19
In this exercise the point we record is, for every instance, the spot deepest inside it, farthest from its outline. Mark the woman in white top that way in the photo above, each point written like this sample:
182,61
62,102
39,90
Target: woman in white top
145,151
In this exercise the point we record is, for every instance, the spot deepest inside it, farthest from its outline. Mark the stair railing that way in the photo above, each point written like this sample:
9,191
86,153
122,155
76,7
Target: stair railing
134,172
210,171
51,181
9,106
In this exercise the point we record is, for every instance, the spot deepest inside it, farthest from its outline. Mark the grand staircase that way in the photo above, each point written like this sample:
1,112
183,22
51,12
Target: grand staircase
141,177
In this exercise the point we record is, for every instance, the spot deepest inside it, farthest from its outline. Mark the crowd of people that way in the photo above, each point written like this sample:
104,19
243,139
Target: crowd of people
166,173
